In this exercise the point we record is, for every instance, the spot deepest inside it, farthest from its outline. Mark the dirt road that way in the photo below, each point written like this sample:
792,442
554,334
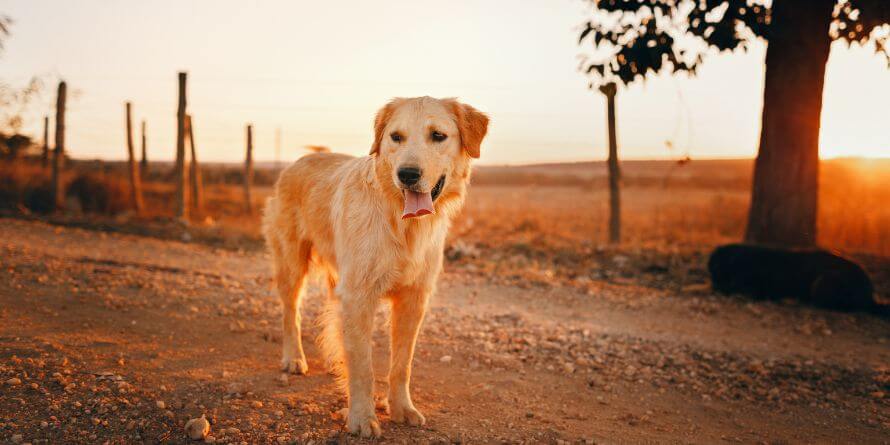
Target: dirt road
108,338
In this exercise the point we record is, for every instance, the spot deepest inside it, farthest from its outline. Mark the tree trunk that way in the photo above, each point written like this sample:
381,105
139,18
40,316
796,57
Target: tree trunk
195,172
143,165
182,211
44,160
135,179
248,171
609,91
786,174
59,154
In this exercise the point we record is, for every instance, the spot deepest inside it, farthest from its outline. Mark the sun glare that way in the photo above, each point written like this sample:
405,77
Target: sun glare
855,117
840,151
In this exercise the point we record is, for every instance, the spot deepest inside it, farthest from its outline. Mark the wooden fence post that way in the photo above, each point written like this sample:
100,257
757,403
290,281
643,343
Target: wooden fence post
248,170
181,204
195,172
135,180
45,158
609,90
143,164
58,192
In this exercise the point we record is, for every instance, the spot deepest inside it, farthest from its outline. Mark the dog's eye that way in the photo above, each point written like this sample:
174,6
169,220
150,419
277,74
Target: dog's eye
396,137
438,137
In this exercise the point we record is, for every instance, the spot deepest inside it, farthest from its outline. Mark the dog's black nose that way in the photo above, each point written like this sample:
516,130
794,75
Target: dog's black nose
409,175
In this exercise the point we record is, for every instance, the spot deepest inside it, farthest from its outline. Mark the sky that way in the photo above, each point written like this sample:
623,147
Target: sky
318,71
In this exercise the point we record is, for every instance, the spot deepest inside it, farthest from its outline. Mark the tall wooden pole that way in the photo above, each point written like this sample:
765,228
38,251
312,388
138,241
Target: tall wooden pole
609,91
181,204
58,193
45,158
143,165
195,171
135,180
248,170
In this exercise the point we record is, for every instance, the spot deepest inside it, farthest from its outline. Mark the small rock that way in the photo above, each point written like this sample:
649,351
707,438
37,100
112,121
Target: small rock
160,404
16,438
282,379
14,381
234,389
197,429
256,404
340,414
445,359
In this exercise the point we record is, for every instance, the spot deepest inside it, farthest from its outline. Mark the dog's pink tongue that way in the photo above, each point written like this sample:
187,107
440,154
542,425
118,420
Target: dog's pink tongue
417,204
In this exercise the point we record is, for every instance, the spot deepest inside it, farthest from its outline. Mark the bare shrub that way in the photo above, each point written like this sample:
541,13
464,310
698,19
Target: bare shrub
23,184
99,193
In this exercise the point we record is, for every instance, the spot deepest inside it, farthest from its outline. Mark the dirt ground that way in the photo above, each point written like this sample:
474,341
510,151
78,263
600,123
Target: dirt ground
114,338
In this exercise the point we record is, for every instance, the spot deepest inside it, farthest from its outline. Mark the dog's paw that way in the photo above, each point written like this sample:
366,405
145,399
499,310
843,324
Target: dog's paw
364,425
294,366
400,413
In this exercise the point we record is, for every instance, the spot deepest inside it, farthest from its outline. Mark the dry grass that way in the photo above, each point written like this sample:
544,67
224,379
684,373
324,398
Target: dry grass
563,208
666,205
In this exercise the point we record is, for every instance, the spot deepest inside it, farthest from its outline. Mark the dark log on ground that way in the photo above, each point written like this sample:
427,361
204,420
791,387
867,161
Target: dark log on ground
812,276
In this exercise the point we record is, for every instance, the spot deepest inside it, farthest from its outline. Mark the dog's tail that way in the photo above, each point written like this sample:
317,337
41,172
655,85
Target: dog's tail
330,339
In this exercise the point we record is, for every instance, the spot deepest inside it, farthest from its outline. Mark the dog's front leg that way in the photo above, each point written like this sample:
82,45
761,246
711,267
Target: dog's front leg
357,313
408,309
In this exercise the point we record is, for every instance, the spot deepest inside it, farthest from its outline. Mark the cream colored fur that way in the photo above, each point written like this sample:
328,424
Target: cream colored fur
341,216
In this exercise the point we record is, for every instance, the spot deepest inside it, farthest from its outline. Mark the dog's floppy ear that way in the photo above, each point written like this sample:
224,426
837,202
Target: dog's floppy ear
383,116
473,124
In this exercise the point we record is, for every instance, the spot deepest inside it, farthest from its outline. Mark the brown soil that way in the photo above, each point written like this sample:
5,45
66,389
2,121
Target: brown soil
114,338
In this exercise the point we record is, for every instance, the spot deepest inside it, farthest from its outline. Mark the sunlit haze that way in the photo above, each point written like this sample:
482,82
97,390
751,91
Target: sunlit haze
320,70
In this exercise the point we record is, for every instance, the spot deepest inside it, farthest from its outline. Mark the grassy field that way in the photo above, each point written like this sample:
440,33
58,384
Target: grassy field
564,207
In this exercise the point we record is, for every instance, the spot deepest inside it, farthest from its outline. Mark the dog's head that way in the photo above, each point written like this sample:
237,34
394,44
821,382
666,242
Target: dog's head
425,146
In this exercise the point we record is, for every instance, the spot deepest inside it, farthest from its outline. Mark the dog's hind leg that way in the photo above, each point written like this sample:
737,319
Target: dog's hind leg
408,309
290,277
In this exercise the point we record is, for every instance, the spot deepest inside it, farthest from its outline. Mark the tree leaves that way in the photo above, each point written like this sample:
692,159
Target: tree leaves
863,21
585,32
632,39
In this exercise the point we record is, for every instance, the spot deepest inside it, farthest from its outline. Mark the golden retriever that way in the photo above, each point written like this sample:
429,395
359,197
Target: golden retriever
375,226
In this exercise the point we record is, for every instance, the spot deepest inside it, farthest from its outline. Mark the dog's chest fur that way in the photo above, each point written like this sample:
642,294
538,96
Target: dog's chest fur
422,243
